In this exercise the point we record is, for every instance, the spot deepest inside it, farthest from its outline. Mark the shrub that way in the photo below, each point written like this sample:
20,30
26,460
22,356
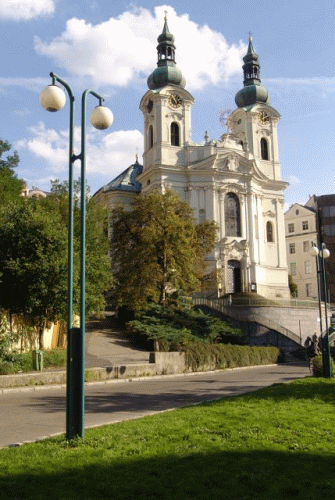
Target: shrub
208,356
317,366
175,328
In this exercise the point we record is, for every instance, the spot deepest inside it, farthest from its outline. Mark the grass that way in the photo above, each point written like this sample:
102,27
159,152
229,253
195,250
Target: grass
276,443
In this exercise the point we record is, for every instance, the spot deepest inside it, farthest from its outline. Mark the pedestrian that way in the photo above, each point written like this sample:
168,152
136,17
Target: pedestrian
313,350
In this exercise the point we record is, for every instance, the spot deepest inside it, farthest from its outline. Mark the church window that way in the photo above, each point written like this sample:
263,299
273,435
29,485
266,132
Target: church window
264,149
175,134
269,232
232,215
151,136
202,215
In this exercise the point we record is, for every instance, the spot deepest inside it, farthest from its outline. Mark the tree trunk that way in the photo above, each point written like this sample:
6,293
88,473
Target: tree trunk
41,336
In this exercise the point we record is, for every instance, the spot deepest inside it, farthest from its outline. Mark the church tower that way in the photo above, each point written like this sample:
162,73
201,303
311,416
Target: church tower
166,109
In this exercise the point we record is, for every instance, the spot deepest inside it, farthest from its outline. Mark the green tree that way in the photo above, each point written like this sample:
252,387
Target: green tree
33,264
33,259
292,286
156,248
10,185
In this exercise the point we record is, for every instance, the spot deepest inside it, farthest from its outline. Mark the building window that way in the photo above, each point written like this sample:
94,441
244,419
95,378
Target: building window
291,227
232,215
264,149
305,246
308,267
202,215
151,136
329,230
291,248
175,141
305,225
293,268
269,232
308,289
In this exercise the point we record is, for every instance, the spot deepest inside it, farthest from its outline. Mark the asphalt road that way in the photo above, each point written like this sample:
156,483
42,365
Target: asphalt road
29,415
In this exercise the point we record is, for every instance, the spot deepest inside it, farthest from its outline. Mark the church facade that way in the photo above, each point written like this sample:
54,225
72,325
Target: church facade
235,180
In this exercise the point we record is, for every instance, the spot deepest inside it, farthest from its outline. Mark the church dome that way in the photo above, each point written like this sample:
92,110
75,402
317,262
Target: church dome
166,73
253,92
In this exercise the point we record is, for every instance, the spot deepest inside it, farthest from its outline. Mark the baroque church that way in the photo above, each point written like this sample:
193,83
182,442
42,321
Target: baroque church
235,180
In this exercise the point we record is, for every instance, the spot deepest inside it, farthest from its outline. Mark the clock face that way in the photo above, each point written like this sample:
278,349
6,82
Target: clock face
263,118
175,101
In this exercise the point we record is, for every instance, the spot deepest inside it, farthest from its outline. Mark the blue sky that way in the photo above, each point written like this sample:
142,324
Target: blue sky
110,46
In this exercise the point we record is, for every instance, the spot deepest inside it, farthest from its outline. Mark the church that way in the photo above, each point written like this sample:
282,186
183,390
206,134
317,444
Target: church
235,180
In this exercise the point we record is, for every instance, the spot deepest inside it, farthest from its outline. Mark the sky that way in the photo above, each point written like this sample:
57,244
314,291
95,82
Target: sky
110,46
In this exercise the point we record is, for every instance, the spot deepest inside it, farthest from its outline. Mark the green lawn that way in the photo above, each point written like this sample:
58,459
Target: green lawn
276,443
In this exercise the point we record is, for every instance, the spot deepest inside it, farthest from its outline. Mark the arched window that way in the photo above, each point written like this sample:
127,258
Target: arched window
202,215
269,232
175,134
232,215
264,149
151,136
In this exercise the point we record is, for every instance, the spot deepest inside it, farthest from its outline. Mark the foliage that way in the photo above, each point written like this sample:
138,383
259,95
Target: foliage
33,263
33,258
10,185
317,366
218,356
174,328
292,286
157,249
7,337
274,443
24,362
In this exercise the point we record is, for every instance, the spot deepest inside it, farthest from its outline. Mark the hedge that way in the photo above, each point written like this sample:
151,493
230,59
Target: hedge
202,356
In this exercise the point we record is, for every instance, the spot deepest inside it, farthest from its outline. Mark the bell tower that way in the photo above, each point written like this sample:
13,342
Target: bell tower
254,121
166,109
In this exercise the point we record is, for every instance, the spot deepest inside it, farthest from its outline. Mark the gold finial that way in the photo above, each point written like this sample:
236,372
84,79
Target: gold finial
250,36
136,156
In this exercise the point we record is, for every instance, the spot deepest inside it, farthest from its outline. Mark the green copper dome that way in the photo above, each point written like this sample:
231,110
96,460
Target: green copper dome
252,92
166,75
166,72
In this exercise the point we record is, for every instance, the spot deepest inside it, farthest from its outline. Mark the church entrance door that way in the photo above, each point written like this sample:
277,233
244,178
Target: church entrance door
234,276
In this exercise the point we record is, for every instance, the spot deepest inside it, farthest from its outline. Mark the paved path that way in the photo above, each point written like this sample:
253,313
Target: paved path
108,345
27,414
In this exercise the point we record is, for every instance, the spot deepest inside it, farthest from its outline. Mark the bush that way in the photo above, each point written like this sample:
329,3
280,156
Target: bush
175,328
208,356
23,362
317,366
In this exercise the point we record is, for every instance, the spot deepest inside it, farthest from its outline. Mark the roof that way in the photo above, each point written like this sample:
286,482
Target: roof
126,181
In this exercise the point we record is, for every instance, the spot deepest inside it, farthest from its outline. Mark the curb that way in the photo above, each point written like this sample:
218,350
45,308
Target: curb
13,390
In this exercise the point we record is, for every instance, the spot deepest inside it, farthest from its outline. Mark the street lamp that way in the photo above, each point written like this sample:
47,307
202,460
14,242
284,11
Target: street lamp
320,256
53,98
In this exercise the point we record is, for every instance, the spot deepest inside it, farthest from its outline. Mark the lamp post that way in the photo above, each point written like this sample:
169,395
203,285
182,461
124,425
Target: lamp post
53,98
320,256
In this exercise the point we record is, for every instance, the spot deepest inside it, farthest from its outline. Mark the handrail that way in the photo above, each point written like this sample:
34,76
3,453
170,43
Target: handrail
217,305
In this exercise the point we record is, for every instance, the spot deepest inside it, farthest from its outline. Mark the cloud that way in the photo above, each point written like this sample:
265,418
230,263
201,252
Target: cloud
25,10
106,154
293,180
116,51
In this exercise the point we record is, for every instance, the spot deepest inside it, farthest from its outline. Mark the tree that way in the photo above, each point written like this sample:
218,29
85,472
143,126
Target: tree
10,185
33,259
292,286
33,263
156,248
